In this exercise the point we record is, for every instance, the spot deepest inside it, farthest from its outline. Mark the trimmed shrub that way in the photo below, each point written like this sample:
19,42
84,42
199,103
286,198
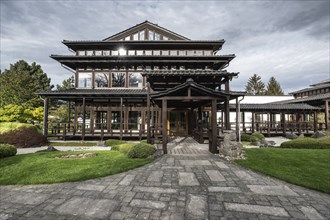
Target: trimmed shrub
114,142
115,148
259,136
308,143
124,148
141,150
23,138
7,150
246,137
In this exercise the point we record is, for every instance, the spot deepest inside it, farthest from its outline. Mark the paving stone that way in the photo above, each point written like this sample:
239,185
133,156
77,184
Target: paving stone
155,176
195,162
221,165
127,180
91,187
97,208
272,190
311,213
224,189
28,198
154,189
243,175
215,175
196,207
147,204
268,210
188,179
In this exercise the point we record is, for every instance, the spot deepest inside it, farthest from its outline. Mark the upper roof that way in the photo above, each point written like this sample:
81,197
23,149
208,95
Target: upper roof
321,85
146,25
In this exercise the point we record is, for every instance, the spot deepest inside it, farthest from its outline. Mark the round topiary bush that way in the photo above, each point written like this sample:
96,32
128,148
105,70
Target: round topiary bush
246,137
141,150
259,136
7,150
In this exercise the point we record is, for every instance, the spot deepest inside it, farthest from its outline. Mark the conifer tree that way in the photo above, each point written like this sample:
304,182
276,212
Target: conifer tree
273,87
255,86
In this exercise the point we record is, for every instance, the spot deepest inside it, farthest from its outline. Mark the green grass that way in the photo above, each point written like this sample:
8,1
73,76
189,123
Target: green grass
73,144
7,126
114,142
40,168
305,167
308,143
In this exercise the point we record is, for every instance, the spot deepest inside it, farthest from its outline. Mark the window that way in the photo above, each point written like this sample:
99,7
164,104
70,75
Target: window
134,120
98,53
199,52
151,35
114,53
165,52
207,53
90,53
165,38
85,80
131,52
173,52
135,80
115,120
141,35
148,52
156,52
118,79
190,52
136,36
139,52
181,53
122,52
157,36
106,53
101,80
81,53
128,38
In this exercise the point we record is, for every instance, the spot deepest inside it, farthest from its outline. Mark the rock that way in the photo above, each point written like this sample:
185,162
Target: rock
100,143
256,143
51,148
90,155
291,136
271,143
319,134
301,136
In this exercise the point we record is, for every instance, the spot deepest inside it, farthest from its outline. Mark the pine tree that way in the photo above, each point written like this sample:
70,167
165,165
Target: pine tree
255,86
66,84
273,87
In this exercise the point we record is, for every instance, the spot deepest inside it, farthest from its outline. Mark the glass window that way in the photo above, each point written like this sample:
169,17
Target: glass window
156,52
98,53
151,35
122,52
207,53
141,35
115,120
165,52
106,53
114,53
139,52
136,36
131,52
148,52
134,120
85,80
199,52
101,80
128,38
182,53
165,38
90,53
173,52
190,53
157,36
81,53
118,79
135,80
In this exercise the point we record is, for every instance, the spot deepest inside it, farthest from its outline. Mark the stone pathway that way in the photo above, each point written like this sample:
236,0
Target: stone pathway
176,186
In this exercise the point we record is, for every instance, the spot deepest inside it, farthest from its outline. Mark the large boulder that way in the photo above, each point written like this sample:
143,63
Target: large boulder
319,134
291,136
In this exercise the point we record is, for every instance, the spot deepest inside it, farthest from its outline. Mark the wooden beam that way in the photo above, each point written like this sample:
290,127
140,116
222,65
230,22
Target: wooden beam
214,127
164,125
84,119
148,114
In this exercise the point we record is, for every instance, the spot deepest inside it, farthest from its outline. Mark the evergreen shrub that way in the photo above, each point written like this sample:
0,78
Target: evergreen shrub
7,150
141,150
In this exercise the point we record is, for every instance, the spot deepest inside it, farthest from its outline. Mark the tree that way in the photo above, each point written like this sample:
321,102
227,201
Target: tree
255,86
20,84
273,87
66,84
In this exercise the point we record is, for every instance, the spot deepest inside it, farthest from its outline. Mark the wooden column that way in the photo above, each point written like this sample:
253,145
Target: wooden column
45,127
283,122
326,115
84,119
268,124
214,127
227,114
121,118
164,125
108,121
148,114
243,121
69,116
252,121
75,119
91,122
315,122
237,119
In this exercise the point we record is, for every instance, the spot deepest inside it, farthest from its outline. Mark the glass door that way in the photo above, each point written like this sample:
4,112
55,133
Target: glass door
177,122
100,120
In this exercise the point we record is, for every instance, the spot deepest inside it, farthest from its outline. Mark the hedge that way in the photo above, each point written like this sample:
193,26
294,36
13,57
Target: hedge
114,142
7,150
252,138
308,143
141,150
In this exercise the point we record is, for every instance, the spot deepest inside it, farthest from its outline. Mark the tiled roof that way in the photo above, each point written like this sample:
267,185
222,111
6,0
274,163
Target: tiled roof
272,106
314,87
99,91
307,99
188,72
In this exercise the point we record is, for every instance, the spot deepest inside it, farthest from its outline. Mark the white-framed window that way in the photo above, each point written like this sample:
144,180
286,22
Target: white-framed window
81,53
114,53
165,53
199,53
141,35
173,53
148,52
101,80
207,52
106,52
98,53
85,80
182,53
136,36
151,35
156,52
90,53
128,38
135,80
157,36
165,38
139,52
131,52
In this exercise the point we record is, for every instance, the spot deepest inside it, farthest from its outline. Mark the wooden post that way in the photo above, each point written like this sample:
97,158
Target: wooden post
243,121
237,119
283,123
84,119
326,115
214,127
69,115
252,121
148,114
46,116
164,125
121,118
315,122
227,114
75,120
91,122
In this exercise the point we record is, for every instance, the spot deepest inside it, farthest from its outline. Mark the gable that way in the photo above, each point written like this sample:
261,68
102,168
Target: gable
146,31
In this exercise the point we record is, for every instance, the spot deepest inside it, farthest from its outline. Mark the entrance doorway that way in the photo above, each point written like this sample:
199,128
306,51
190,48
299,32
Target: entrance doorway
178,122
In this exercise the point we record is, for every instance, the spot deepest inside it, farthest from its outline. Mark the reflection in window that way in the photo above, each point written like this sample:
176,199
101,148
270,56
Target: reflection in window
136,36
106,53
85,80
134,120
141,35
122,52
81,53
157,36
156,52
135,80
118,79
101,80
151,35
114,53
165,52
115,120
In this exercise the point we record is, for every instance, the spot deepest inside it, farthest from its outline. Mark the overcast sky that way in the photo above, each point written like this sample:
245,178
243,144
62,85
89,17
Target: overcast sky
285,39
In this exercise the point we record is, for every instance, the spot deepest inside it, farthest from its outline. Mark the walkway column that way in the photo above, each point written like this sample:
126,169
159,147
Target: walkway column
315,122
45,117
237,118
75,119
326,115
84,119
243,121
268,124
69,115
121,119
214,127
252,121
283,122
164,125
227,114
148,115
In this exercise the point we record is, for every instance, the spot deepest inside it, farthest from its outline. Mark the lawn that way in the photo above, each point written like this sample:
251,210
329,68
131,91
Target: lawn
305,167
72,144
39,168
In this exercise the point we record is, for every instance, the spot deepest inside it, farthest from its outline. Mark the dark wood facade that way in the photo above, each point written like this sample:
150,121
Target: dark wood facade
145,82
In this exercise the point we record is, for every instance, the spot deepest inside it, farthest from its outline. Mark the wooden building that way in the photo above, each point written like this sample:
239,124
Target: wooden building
144,82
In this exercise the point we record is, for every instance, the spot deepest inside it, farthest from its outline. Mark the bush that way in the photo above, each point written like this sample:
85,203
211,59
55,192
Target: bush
259,136
246,137
141,150
308,143
115,148
23,138
114,142
7,150
124,148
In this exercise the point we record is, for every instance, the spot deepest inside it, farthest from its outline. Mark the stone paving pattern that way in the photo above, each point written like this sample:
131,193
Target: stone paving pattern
175,186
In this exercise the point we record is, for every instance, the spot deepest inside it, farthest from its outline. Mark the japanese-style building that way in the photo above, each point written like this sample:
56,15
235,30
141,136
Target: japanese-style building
145,82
